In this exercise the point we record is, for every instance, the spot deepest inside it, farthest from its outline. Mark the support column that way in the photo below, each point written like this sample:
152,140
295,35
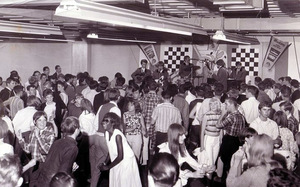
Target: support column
80,57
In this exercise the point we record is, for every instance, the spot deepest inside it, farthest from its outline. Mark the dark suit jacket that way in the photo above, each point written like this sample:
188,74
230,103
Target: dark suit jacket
60,158
222,77
70,91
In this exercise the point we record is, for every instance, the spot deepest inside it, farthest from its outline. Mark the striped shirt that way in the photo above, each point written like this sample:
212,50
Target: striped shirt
164,115
211,119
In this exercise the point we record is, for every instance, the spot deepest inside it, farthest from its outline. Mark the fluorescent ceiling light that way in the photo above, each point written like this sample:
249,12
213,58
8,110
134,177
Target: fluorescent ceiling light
95,36
169,30
30,38
234,38
26,19
229,2
239,7
12,16
87,11
28,28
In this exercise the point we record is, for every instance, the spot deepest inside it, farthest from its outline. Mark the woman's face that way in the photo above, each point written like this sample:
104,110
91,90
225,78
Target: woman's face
41,123
49,98
131,107
181,139
106,122
214,106
60,87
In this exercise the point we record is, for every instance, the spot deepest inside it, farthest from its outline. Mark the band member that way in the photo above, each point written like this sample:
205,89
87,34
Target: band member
161,74
222,74
238,72
185,68
142,71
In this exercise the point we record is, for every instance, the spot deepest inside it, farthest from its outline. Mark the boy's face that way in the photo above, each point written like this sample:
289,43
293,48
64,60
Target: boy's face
144,65
32,91
12,84
265,112
136,94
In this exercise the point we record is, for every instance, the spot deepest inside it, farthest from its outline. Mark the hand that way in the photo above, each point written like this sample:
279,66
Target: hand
36,132
19,135
103,167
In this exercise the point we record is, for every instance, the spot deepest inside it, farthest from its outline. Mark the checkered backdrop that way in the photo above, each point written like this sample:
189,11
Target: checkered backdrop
249,57
174,55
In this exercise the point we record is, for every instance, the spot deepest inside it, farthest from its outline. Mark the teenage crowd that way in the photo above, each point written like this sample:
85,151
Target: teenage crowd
66,130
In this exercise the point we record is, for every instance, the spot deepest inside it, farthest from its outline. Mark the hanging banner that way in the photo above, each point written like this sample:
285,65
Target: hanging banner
149,51
275,50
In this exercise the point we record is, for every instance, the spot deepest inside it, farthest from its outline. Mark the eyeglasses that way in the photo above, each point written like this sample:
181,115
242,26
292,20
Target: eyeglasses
106,121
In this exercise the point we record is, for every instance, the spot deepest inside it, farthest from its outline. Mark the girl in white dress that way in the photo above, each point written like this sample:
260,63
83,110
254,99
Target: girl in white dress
50,109
123,167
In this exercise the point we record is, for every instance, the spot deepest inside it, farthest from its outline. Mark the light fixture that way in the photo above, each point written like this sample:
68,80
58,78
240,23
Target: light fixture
27,28
87,11
248,5
95,36
234,38
229,2
30,38
239,7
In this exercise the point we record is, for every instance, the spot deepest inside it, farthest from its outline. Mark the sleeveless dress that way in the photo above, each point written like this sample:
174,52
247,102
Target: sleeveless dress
126,173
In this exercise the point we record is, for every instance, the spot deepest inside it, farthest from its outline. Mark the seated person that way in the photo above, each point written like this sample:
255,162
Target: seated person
176,147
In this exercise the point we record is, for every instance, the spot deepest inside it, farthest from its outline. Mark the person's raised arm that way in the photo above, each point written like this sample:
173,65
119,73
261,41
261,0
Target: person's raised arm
219,123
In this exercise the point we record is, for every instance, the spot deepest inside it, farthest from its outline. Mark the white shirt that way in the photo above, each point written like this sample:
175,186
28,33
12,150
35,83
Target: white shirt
86,122
164,148
250,108
271,94
189,97
5,148
268,127
91,95
23,120
114,109
50,111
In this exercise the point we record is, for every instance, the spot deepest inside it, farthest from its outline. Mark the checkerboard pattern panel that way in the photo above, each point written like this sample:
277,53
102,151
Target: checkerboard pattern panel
173,56
249,57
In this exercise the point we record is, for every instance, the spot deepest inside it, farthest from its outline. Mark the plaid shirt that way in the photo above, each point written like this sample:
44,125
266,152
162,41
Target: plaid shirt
39,146
233,123
293,124
151,100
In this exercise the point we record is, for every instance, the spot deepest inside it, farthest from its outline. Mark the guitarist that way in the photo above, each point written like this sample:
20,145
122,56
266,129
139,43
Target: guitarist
161,75
185,69
142,71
